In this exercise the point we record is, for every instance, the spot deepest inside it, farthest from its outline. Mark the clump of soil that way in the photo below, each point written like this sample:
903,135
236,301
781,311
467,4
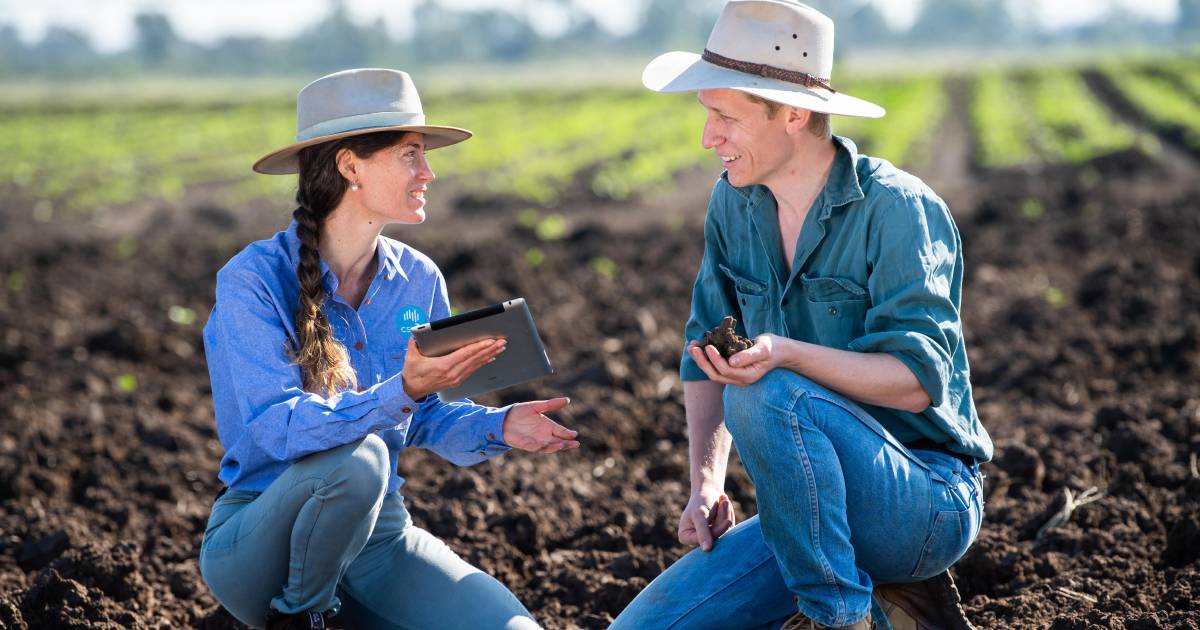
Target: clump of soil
725,339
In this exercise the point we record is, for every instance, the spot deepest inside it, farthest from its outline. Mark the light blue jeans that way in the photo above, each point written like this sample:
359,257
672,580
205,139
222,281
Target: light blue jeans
323,536
841,506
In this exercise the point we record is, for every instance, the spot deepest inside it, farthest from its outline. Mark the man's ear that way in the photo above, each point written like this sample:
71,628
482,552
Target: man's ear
797,119
347,164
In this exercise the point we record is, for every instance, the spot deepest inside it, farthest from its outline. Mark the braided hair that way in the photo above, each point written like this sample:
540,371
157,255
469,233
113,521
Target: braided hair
324,362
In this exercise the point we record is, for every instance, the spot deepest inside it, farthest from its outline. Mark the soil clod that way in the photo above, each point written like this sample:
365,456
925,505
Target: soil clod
725,339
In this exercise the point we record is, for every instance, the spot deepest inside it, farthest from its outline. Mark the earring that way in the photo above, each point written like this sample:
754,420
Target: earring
353,186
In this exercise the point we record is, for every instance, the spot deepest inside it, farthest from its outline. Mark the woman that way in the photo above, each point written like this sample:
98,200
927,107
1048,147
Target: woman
317,386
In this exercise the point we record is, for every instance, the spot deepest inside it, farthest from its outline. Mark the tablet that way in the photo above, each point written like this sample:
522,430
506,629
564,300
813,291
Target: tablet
523,359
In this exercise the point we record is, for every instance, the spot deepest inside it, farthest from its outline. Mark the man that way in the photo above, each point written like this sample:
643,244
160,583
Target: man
852,411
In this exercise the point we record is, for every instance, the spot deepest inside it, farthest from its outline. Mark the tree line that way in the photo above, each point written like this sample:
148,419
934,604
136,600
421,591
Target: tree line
450,35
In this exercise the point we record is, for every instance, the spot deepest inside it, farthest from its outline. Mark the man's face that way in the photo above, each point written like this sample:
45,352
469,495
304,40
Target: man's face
752,146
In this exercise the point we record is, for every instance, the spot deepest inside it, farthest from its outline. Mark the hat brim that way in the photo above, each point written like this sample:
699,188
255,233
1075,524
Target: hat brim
680,71
285,160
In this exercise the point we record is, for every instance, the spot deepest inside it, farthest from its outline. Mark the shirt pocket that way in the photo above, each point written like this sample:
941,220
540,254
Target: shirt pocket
837,308
752,302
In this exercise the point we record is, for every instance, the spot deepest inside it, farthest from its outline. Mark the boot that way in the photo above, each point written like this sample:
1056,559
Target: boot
932,604
299,621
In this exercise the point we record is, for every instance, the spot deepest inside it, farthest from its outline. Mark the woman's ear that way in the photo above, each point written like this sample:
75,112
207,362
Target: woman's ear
347,165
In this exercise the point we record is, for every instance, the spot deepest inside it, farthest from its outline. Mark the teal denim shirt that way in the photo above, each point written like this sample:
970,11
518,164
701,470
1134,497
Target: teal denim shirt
878,268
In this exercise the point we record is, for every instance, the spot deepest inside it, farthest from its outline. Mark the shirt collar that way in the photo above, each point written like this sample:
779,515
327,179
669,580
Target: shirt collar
841,187
385,251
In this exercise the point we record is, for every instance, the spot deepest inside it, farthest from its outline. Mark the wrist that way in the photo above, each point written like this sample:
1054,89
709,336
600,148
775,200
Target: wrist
791,354
413,393
709,487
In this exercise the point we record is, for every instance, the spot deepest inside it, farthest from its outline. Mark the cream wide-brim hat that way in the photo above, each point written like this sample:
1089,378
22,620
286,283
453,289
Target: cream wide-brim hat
775,49
352,103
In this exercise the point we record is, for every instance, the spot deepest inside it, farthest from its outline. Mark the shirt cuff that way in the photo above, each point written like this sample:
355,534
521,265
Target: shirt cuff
689,371
394,401
493,443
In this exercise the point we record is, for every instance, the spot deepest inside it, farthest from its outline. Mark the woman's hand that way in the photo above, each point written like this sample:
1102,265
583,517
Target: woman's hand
526,428
743,368
424,375
707,515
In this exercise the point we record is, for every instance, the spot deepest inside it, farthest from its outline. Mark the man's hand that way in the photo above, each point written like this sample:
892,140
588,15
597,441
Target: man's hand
423,375
708,515
526,428
743,368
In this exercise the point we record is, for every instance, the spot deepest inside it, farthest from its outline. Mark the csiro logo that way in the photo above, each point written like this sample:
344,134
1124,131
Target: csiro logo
409,317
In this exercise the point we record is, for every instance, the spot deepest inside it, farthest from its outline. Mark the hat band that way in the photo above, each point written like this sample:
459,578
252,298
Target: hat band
770,72
359,122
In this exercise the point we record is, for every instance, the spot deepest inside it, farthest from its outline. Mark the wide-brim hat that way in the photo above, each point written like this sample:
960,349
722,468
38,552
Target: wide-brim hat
352,103
775,49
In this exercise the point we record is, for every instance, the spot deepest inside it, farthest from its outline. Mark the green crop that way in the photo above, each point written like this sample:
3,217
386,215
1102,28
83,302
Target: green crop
914,107
1076,126
1046,116
1160,101
536,148
1001,122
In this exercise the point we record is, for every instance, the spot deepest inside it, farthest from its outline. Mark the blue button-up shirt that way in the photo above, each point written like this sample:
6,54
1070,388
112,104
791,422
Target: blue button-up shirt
266,421
878,268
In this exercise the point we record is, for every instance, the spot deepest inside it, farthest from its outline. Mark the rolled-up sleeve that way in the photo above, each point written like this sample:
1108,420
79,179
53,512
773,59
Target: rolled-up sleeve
250,362
712,296
916,269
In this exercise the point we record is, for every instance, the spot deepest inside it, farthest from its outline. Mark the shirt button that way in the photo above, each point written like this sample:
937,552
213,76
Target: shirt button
483,453
833,310
743,301
406,409
358,346
492,437
367,301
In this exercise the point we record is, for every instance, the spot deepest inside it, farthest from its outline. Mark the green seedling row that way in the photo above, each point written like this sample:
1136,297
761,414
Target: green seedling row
1000,121
541,147
1072,125
914,109
1161,102
1048,116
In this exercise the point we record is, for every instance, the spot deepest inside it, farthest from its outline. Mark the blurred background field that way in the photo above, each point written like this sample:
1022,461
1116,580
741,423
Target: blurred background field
1064,136
90,151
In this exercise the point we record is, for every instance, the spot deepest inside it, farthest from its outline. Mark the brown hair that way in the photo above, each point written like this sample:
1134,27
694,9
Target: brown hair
819,123
324,363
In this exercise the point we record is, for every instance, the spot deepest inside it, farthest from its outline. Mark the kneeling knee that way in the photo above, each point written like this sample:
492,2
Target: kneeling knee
367,467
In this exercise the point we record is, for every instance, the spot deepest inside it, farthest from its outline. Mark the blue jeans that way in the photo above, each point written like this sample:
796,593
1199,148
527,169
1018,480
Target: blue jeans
841,506
323,536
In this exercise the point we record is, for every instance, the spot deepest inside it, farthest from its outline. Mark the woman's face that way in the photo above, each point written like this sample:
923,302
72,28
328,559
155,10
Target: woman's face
393,181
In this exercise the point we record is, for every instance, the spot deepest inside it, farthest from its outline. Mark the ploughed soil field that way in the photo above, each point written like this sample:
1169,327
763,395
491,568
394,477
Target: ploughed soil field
1082,313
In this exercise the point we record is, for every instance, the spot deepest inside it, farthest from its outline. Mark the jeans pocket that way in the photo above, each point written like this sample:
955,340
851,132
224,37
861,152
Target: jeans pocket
948,540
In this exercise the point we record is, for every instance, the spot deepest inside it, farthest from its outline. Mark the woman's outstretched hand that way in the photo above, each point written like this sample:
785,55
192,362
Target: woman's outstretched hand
424,375
527,428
